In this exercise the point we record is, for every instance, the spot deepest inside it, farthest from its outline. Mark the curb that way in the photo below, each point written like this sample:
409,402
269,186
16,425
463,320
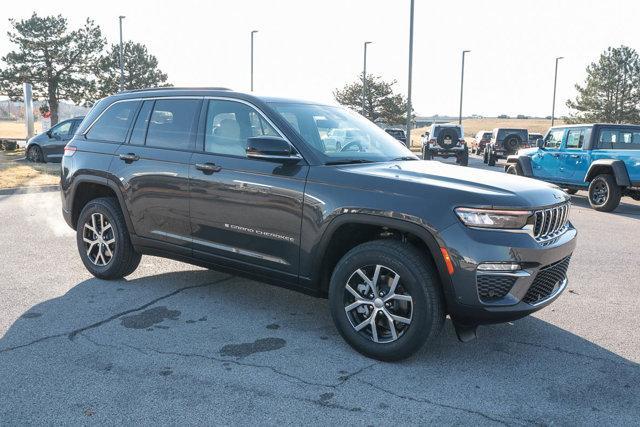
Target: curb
27,190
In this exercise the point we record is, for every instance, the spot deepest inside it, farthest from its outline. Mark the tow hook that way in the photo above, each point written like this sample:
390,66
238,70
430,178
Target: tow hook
465,333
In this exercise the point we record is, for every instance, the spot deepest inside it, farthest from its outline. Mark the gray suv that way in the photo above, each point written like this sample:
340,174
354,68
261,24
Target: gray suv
248,185
49,145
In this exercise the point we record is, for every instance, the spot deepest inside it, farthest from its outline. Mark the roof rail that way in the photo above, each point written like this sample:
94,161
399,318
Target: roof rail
149,89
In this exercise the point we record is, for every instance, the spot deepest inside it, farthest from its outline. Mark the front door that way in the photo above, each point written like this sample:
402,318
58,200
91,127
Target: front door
154,169
546,162
59,135
244,211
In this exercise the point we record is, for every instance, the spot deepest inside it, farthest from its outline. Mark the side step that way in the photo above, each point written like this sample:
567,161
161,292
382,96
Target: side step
465,333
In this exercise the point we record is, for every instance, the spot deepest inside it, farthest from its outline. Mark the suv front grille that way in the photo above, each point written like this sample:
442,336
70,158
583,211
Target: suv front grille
550,222
494,287
547,281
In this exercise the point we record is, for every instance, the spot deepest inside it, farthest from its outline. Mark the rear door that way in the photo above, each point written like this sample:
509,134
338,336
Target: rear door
546,161
153,167
244,211
574,160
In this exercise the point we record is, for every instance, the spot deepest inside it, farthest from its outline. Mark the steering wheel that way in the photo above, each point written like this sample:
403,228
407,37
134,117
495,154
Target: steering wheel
353,146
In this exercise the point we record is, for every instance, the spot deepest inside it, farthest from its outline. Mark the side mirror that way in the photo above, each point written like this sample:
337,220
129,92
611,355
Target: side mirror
540,143
49,133
271,148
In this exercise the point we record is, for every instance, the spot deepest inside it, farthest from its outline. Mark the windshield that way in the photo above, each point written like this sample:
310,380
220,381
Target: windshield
339,134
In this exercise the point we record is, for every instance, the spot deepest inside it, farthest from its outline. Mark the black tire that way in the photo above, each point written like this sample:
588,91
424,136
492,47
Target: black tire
485,156
463,159
34,154
124,259
426,154
418,278
571,191
513,169
604,193
491,158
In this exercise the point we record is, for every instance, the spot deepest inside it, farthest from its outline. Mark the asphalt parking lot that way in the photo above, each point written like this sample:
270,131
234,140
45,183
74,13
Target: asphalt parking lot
178,344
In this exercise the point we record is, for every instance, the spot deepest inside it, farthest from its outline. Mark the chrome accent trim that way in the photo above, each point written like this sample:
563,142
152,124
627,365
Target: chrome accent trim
550,222
222,247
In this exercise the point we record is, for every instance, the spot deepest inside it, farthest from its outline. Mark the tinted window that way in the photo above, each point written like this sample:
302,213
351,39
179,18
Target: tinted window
575,138
140,128
554,138
619,139
114,123
173,123
486,135
62,130
229,124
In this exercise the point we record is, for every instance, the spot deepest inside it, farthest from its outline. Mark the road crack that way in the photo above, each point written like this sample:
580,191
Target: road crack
72,334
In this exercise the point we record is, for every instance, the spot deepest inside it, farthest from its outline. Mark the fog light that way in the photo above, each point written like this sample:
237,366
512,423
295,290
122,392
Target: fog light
498,266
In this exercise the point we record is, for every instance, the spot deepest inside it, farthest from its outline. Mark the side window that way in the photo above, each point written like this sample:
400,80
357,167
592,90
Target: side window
228,126
62,130
114,122
173,123
554,138
607,138
575,139
139,131
627,139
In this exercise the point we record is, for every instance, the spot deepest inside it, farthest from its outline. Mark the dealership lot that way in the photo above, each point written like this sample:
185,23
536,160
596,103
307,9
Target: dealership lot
178,344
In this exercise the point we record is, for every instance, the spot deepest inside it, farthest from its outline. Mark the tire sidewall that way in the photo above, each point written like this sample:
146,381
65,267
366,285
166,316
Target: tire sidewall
98,206
613,193
421,321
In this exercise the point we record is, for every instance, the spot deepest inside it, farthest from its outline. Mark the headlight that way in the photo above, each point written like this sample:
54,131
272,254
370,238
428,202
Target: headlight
490,218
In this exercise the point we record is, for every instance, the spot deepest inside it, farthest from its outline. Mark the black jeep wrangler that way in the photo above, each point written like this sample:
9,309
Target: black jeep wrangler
247,185
504,142
445,140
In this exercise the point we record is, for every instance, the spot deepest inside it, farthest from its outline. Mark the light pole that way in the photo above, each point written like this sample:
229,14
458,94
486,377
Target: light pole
555,82
364,80
410,69
120,18
252,34
462,86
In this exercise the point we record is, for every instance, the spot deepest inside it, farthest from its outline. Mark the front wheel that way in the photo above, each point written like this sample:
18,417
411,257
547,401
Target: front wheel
512,170
463,159
103,240
604,193
34,154
385,299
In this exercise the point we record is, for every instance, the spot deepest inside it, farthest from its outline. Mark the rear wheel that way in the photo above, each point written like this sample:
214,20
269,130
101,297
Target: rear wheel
385,299
604,193
485,156
103,240
463,158
491,158
426,154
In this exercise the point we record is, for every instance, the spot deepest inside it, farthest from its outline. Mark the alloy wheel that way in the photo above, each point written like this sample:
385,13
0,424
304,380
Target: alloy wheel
99,239
376,303
600,192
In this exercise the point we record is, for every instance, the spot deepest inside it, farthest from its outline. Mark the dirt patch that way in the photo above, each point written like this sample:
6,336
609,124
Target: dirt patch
258,346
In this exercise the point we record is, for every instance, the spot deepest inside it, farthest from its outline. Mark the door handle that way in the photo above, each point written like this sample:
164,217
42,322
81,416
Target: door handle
129,157
574,156
208,168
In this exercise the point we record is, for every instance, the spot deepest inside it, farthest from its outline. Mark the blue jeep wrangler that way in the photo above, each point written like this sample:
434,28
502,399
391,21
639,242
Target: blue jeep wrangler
601,158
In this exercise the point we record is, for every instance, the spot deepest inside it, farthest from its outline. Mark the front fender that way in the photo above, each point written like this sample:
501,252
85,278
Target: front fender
523,161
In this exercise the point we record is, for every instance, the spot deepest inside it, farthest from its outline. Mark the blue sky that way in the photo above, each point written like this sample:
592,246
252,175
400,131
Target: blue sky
306,49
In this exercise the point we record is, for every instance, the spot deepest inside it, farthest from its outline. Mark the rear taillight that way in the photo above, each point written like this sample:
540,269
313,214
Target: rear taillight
432,141
69,150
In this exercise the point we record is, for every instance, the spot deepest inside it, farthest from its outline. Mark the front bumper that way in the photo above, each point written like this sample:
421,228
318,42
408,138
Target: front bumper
479,297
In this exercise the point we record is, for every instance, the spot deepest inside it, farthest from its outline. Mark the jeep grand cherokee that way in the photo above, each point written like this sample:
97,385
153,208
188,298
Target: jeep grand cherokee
247,185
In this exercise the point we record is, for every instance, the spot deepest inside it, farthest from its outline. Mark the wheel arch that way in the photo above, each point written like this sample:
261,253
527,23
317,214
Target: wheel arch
614,167
341,229
87,188
523,161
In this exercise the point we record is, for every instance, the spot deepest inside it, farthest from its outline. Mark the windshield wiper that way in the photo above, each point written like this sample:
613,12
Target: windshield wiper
404,158
348,162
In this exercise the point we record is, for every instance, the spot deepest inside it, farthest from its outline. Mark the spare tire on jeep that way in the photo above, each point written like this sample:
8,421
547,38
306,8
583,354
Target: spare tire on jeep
512,143
448,138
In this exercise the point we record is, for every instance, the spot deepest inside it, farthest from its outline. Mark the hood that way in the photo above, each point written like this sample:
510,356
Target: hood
528,151
458,185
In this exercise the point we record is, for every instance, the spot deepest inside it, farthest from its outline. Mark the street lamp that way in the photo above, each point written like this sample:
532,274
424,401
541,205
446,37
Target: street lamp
364,79
120,18
555,82
464,52
410,68
252,34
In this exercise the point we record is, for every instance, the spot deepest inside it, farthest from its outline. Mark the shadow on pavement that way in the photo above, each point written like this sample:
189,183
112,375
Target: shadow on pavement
201,346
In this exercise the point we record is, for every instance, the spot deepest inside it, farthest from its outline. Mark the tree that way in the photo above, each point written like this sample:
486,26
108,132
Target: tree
58,62
140,69
381,102
611,91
